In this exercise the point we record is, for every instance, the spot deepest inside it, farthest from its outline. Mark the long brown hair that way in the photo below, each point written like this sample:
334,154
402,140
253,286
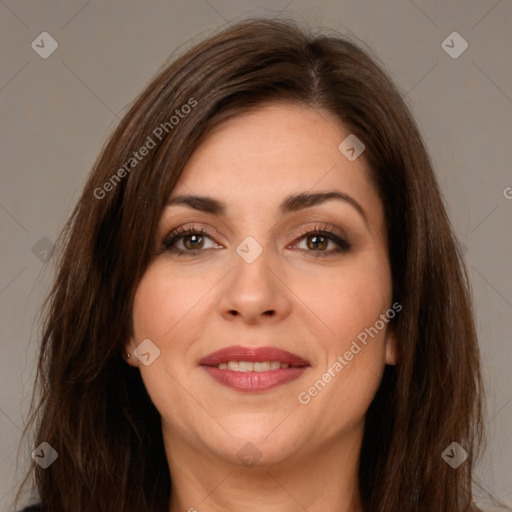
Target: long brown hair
93,408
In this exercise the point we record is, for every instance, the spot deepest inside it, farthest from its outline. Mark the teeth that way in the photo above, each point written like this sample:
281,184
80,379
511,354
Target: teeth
245,366
249,366
262,367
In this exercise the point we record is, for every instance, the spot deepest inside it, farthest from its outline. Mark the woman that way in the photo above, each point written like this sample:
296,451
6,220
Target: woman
260,303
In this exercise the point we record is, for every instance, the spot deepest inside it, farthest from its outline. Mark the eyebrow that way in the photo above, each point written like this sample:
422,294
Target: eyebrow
291,203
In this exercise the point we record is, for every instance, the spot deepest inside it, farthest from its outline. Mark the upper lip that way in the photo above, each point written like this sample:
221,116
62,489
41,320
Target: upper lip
254,354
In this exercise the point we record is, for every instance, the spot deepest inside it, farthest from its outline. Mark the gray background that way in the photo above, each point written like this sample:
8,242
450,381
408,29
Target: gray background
57,112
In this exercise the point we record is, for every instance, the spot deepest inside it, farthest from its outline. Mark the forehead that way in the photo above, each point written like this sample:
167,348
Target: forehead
257,158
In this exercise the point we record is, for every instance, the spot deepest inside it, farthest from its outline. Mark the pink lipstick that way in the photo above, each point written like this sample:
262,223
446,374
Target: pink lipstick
253,369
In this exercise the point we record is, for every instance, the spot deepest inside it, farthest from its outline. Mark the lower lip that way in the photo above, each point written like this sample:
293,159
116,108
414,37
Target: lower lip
254,381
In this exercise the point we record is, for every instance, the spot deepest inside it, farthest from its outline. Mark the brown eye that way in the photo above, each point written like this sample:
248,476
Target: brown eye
322,242
186,241
317,242
193,241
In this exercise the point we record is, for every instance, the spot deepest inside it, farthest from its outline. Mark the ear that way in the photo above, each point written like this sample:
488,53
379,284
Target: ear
129,347
391,355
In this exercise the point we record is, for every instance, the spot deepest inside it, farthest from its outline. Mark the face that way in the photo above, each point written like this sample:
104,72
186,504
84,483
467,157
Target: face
289,253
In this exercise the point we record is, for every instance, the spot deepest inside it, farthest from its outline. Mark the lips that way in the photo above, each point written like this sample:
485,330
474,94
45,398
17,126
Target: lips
256,355
291,367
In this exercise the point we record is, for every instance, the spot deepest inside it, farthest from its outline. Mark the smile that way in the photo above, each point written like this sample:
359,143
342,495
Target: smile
253,369
250,366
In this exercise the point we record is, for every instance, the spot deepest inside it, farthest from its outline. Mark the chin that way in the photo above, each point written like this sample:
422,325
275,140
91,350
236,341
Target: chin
262,444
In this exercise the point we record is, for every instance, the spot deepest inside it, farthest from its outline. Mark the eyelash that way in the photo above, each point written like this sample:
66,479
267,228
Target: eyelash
324,231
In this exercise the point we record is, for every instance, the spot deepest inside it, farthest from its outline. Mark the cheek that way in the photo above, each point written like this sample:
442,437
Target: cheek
163,299
166,309
348,300
349,303
153,310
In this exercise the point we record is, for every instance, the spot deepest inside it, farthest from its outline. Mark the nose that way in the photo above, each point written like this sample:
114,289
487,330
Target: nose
253,293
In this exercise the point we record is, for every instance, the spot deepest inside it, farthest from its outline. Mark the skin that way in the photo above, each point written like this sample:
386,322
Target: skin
192,305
